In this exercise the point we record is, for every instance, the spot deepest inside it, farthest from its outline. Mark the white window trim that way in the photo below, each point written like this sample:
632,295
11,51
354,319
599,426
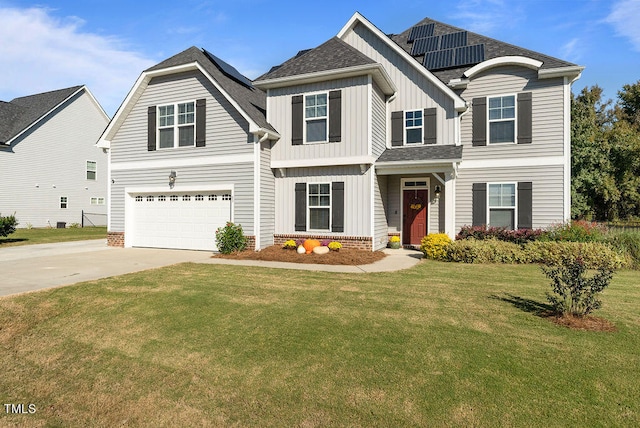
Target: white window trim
175,126
66,202
403,186
404,128
515,201
99,200
330,207
304,115
515,120
87,170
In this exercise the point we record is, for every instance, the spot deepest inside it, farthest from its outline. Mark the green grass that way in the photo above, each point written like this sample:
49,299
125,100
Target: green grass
211,345
49,235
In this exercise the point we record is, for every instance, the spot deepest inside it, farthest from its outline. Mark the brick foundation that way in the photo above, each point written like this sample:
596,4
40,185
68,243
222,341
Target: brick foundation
115,239
251,242
358,242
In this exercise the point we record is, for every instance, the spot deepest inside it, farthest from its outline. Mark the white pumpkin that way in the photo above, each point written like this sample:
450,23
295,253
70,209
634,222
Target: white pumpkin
321,250
301,249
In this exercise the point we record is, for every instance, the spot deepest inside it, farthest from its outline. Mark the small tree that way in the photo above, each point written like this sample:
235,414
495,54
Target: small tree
230,238
575,290
8,225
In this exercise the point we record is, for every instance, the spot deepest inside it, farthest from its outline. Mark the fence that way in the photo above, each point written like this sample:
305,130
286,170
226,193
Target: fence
93,219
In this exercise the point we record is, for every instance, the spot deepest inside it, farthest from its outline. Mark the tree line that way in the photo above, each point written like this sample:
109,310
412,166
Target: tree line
605,155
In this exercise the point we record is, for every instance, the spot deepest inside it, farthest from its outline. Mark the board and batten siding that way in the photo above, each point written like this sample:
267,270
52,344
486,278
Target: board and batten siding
226,129
357,197
378,121
415,91
547,195
354,128
50,160
239,176
267,196
547,113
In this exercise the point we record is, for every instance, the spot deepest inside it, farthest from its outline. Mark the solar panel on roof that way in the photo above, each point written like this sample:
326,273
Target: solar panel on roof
420,32
229,70
454,40
426,44
438,59
467,55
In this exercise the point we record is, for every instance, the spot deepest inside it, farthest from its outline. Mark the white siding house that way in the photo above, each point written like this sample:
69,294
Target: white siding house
51,169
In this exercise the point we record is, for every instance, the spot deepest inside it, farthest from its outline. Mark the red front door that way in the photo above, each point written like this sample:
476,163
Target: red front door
414,209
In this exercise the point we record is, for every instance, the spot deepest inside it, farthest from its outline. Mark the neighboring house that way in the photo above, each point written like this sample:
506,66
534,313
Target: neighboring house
366,136
51,170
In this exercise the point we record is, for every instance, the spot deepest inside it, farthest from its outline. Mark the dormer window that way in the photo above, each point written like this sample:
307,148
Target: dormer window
176,125
315,115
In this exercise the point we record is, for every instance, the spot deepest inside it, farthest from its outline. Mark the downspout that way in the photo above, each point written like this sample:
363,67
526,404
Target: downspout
256,189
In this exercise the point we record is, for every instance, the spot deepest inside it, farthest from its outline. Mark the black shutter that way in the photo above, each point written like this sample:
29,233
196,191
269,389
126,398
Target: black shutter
397,128
297,120
430,125
151,128
479,121
525,205
479,204
201,122
524,118
335,116
301,207
337,206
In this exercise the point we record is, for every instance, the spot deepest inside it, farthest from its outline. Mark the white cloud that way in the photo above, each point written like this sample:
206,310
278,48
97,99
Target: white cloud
40,53
570,50
485,16
624,18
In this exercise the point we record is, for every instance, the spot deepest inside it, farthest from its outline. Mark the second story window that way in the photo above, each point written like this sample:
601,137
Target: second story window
502,119
413,126
176,125
315,114
92,168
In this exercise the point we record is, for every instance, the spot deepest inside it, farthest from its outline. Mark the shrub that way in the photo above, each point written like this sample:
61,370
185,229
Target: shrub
334,246
577,231
485,251
434,245
290,245
574,290
230,238
593,254
394,238
519,236
627,244
8,225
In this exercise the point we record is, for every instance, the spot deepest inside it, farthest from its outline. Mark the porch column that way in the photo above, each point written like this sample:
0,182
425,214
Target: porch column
450,204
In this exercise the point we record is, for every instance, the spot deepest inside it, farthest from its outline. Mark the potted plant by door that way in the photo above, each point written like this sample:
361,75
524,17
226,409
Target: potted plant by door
394,242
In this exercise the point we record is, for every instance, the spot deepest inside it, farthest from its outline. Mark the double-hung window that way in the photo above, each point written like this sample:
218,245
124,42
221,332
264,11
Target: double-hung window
91,170
502,205
176,125
315,115
319,206
413,126
502,119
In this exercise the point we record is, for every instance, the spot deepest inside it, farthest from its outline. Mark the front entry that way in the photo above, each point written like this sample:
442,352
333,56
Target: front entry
414,208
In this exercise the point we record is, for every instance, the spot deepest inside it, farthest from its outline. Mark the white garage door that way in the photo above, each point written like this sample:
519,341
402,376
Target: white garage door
182,220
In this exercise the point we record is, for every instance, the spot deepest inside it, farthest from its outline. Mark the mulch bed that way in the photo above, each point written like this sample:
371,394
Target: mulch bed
275,253
588,323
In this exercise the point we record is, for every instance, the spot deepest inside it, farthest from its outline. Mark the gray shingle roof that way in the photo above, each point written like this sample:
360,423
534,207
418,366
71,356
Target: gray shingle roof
422,153
492,49
22,112
251,99
333,54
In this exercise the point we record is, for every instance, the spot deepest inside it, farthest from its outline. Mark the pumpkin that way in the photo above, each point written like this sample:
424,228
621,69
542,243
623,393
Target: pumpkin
310,244
301,250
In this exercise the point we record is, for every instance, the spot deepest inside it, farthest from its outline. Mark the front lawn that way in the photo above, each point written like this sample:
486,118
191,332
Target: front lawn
49,235
210,345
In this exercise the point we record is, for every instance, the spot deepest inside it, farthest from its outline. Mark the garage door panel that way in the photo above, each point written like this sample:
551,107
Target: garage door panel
182,221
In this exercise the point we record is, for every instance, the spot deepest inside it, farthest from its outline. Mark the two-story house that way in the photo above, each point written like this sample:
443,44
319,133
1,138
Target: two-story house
365,136
51,171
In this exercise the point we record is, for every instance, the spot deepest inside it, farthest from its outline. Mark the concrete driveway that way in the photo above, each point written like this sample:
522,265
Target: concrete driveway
36,267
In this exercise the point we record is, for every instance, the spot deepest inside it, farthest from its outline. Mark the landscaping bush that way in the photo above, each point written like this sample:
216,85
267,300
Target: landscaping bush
434,246
485,251
519,236
577,231
627,244
593,254
230,238
8,225
574,289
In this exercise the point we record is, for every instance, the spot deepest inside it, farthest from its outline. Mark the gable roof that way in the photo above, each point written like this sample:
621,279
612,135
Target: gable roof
489,48
21,113
247,99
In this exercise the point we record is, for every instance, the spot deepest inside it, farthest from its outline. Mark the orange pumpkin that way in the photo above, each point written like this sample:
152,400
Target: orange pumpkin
310,244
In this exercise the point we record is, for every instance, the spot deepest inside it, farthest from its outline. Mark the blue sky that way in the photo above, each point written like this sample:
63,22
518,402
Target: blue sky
50,44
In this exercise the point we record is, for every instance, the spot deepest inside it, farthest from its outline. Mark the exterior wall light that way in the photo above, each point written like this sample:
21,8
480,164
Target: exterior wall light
172,179
438,190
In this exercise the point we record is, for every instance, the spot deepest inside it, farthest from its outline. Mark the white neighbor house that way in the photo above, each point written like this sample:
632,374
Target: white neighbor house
50,168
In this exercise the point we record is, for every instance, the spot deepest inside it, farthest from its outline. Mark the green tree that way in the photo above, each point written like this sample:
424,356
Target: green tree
629,101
